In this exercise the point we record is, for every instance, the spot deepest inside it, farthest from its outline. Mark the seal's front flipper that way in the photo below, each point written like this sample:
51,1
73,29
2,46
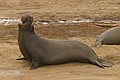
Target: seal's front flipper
34,65
21,58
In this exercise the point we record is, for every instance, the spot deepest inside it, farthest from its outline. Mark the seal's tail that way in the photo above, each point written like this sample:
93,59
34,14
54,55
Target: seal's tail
103,63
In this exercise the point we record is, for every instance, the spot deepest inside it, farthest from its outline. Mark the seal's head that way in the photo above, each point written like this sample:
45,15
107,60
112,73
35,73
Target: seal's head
27,23
27,19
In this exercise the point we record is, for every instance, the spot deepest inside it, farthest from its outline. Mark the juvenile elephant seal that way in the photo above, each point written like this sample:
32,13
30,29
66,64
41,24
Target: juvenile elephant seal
109,37
40,51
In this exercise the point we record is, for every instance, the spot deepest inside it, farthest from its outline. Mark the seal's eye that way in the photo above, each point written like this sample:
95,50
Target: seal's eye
23,22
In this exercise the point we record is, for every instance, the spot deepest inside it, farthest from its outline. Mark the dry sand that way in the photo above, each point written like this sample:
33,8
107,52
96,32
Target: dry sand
10,69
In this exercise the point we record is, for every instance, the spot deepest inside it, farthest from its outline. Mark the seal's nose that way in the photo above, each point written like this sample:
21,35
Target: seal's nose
20,23
23,19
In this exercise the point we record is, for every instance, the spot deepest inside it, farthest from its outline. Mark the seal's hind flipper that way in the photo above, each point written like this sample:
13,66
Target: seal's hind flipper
21,58
99,64
102,63
97,44
93,45
105,63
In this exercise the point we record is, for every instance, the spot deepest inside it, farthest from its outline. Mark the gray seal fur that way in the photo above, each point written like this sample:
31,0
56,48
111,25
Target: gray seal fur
40,51
109,37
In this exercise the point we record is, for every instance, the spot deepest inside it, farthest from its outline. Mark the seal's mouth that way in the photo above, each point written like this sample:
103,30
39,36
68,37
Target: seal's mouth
23,22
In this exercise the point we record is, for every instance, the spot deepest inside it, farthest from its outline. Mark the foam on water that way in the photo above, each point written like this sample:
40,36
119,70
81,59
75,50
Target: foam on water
45,22
76,21
8,21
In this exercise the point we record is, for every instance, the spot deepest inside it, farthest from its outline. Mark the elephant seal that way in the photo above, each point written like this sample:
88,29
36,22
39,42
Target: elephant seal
109,37
41,51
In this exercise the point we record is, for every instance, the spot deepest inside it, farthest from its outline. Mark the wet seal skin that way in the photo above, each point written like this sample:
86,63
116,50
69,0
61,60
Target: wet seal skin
40,51
109,37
